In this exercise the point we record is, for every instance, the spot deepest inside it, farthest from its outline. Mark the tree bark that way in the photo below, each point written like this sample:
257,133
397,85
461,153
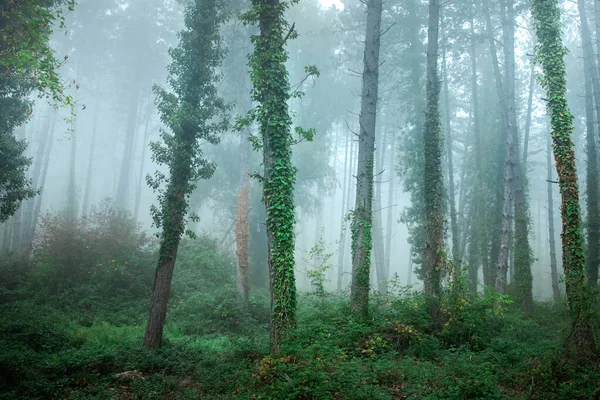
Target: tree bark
122,194
361,226
551,234
546,16
449,146
88,180
141,178
433,183
476,241
378,241
345,203
592,198
242,233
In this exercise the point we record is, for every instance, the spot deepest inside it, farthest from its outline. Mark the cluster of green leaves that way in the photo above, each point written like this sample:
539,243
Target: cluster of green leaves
25,51
549,54
318,264
271,91
193,112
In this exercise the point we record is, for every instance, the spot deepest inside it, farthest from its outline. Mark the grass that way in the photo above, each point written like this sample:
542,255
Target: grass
394,355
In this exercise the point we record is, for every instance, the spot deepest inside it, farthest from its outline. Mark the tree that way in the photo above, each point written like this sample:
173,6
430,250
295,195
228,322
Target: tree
27,63
592,203
433,177
549,53
272,91
192,113
361,228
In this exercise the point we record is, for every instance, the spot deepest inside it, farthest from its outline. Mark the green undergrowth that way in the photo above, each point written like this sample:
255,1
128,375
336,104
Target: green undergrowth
397,354
72,328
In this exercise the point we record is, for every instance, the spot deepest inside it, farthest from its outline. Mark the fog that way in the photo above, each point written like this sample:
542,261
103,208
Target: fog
114,51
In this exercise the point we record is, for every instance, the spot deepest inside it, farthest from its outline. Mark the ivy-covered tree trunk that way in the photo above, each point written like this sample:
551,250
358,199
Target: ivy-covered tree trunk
174,210
191,113
550,53
361,227
433,261
272,91
593,206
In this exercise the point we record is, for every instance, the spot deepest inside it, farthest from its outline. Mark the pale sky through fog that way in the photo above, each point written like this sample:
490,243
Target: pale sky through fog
329,3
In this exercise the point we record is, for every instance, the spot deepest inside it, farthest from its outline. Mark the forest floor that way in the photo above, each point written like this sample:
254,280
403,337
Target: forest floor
478,354
72,320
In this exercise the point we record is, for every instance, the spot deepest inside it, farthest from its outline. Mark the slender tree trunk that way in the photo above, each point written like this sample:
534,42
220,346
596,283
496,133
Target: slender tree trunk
361,227
390,211
593,205
242,234
378,241
546,17
28,224
410,268
88,180
122,194
39,198
477,238
175,207
342,243
522,255
529,114
433,184
449,146
551,234
141,178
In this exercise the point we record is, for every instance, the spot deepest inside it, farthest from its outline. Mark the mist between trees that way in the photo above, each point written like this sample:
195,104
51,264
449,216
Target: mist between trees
251,176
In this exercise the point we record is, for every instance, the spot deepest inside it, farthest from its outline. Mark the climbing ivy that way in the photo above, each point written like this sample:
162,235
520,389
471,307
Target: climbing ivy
193,112
549,54
271,90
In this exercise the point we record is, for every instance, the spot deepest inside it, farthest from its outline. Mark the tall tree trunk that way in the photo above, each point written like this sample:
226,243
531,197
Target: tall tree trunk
378,242
242,234
593,206
88,180
529,114
551,234
175,208
345,203
449,146
122,194
39,198
271,88
546,16
433,261
361,226
141,178
71,208
477,240
28,223
522,255
390,211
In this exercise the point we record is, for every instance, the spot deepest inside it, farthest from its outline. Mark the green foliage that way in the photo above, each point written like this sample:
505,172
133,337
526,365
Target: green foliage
103,255
317,262
549,54
271,91
25,52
